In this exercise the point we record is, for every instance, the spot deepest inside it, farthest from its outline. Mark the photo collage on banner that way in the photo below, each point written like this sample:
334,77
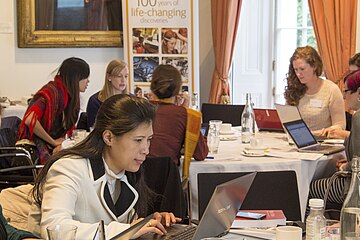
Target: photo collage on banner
158,32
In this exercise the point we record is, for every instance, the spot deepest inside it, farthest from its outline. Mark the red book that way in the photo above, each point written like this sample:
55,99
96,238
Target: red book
272,218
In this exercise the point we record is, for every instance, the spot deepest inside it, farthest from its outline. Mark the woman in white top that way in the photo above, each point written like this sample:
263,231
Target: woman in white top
95,180
319,101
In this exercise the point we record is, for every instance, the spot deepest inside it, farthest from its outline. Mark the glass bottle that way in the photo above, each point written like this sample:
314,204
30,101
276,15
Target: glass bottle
247,121
350,212
195,101
316,222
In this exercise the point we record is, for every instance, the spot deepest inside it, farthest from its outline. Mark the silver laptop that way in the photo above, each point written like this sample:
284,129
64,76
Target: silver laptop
305,141
100,232
128,233
219,213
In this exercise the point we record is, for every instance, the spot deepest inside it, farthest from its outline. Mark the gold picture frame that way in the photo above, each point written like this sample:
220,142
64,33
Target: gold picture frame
29,37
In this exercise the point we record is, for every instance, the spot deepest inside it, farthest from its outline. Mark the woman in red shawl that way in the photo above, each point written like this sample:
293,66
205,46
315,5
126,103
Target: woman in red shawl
54,109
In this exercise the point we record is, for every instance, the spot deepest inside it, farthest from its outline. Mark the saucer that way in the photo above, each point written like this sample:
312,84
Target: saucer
253,154
227,132
228,138
257,148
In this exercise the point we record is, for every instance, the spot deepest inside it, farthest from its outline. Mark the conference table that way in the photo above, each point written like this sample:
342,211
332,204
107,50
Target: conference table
14,110
279,155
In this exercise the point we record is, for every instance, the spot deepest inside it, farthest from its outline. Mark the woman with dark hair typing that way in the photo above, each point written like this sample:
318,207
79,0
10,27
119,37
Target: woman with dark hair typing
54,109
94,180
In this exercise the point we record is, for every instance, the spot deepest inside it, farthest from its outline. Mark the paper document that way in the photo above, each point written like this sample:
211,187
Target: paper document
295,155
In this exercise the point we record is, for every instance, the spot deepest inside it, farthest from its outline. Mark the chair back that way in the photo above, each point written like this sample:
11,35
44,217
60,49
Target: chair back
82,122
224,112
162,176
273,190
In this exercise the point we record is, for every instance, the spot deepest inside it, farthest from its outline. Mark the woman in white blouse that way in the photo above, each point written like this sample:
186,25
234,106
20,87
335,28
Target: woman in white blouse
319,101
95,180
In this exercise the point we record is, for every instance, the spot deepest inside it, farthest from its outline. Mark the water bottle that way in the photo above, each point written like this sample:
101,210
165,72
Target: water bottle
350,212
247,121
195,101
316,222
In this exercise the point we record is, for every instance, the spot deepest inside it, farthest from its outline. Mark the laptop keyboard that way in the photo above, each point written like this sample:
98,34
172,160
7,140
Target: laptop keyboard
185,233
318,148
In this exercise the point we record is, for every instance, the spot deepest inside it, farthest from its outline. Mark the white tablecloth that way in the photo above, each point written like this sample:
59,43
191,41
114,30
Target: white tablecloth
14,110
229,159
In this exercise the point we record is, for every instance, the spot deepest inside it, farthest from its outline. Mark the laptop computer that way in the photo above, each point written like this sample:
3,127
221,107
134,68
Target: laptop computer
219,214
287,113
100,232
204,129
305,141
128,233
268,120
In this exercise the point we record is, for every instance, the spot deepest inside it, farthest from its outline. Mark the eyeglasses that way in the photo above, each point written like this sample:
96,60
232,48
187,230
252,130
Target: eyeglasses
346,90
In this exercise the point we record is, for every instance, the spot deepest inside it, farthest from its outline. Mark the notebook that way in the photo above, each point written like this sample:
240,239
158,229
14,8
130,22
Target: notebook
219,214
305,141
268,120
128,233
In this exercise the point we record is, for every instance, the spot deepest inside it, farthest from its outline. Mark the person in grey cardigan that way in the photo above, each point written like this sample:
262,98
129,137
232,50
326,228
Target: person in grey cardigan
340,185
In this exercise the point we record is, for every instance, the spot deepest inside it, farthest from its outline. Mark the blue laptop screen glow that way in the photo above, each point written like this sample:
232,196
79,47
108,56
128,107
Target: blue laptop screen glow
300,134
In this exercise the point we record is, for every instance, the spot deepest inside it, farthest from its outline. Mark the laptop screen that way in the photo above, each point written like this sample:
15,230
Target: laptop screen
267,119
223,206
300,133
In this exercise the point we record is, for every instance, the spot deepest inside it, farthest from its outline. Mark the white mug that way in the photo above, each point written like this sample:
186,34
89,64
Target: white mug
288,232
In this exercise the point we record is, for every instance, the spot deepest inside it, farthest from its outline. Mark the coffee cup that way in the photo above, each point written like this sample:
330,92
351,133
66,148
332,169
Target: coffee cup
288,232
226,128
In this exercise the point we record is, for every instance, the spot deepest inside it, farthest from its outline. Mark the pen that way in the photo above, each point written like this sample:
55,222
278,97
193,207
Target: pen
210,157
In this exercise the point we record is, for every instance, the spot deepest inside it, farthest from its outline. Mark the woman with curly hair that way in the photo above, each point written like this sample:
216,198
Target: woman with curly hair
319,101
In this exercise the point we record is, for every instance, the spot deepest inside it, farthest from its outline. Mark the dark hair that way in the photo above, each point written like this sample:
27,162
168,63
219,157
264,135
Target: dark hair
166,81
137,89
295,90
119,114
72,70
355,60
352,81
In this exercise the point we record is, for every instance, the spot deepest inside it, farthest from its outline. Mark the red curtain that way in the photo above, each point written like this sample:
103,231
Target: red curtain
334,24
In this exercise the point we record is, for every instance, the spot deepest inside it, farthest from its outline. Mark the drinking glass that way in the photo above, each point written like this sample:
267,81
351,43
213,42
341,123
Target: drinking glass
213,138
61,232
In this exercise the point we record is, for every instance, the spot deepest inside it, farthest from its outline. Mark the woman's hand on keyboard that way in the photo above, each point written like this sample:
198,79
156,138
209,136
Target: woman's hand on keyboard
166,218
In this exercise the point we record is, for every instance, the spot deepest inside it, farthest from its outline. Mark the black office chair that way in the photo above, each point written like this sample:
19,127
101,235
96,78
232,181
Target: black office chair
274,190
162,176
226,113
82,122
16,164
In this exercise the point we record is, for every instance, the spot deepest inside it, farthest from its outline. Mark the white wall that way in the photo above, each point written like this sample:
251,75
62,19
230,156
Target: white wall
24,70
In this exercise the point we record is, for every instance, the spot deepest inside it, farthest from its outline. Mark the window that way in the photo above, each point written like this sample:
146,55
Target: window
293,28
269,32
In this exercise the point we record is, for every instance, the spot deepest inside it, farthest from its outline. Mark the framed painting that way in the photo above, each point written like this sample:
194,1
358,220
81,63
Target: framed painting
69,23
